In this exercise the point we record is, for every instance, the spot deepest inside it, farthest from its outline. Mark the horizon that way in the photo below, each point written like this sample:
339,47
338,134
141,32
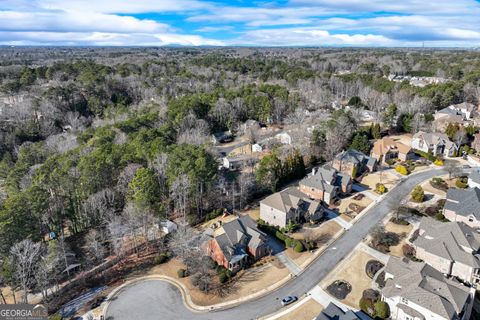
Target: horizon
198,23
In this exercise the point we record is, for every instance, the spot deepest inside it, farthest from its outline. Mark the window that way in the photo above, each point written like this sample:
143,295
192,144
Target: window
404,301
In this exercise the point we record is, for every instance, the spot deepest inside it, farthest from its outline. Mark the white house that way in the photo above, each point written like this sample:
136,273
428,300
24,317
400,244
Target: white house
434,143
416,291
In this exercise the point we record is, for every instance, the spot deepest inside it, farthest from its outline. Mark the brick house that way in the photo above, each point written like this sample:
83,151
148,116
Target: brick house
325,183
353,163
386,149
236,243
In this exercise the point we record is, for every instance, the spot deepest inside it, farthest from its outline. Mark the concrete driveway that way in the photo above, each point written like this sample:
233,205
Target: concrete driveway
160,300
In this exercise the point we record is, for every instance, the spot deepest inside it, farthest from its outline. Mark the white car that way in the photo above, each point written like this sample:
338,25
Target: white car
288,300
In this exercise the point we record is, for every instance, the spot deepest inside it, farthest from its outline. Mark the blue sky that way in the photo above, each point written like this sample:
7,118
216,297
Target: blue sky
392,23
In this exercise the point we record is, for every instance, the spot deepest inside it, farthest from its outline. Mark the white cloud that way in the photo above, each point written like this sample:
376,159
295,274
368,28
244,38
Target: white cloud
104,39
79,21
309,37
123,6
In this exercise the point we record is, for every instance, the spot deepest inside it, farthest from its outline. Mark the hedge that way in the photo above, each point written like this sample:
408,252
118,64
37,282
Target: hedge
401,169
425,155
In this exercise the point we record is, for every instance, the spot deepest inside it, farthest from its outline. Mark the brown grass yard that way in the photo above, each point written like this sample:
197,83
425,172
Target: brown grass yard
396,251
352,271
249,281
307,311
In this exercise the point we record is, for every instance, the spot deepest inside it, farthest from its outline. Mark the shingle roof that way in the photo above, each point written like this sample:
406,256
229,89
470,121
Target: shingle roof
333,312
423,285
291,198
352,156
464,202
475,176
447,240
435,138
238,235
326,179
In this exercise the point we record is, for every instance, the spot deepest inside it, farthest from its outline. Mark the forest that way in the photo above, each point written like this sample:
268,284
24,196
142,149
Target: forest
96,143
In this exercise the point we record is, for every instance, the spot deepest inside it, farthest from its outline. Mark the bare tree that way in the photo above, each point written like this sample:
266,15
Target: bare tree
94,245
26,255
246,183
180,192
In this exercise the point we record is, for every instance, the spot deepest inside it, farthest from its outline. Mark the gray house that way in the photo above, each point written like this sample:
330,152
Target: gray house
451,248
463,205
333,312
417,291
290,205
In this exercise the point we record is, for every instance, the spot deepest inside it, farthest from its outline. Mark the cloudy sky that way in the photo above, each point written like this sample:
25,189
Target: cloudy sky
440,23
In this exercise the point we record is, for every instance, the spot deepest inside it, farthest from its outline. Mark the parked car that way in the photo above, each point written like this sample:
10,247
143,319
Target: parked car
288,300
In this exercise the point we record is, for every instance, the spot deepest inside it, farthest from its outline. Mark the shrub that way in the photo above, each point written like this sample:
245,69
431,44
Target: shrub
280,236
425,155
380,188
298,246
182,273
439,183
440,217
372,267
382,310
222,277
212,215
56,316
438,162
161,258
391,162
289,242
399,221
461,183
401,169
408,251
417,194
371,294
367,306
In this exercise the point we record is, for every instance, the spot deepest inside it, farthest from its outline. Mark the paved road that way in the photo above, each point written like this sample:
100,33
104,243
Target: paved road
160,300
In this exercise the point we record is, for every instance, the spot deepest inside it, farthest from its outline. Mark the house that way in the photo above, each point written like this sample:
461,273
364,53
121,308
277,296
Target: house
416,291
333,312
476,142
238,162
325,184
290,205
463,205
386,149
353,163
236,243
451,248
463,110
168,226
434,143
222,137
474,179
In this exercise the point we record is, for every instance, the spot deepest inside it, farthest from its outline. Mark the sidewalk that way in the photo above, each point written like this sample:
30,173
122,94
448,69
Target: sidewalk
289,263
382,257
333,216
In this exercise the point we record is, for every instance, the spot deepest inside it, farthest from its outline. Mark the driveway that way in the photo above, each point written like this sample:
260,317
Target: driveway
158,299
